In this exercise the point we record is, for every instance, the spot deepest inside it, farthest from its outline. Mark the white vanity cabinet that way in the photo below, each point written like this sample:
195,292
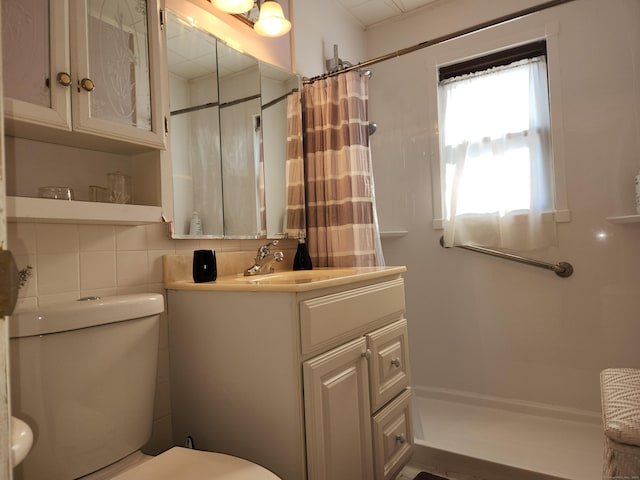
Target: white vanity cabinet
346,385
312,383
83,72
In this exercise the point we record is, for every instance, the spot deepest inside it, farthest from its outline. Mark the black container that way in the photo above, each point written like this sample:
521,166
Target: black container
302,260
205,268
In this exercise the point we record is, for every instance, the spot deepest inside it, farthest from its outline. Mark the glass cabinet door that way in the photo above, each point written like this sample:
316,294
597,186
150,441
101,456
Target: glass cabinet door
117,45
35,60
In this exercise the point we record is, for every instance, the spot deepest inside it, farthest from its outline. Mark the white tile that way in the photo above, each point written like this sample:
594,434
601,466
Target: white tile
29,289
95,238
54,238
155,265
58,273
97,270
131,238
158,237
21,238
99,292
131,268
57,298
128,290
28,304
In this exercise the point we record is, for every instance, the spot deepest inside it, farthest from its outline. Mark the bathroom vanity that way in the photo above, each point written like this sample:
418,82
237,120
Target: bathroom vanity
305,373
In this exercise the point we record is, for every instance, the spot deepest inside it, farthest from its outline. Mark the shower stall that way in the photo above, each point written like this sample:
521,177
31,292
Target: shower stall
505,357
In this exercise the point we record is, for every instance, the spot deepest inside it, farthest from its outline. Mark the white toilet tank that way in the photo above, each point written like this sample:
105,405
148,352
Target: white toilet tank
83,377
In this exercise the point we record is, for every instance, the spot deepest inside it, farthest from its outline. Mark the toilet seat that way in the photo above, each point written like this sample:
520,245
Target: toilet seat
180,463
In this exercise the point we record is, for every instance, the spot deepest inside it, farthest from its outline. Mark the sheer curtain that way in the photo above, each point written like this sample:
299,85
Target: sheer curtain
495,151
340,201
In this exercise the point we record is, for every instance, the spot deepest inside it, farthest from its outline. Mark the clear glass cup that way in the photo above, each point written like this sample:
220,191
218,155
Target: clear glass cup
98,194
58,193
119,187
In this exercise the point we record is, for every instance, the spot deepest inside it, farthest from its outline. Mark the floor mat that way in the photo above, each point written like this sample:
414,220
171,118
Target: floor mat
428,476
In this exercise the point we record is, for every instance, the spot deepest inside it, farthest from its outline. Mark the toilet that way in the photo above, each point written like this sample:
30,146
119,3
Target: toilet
83,377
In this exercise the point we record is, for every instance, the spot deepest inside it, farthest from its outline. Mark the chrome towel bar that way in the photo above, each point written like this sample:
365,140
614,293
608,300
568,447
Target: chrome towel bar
562,269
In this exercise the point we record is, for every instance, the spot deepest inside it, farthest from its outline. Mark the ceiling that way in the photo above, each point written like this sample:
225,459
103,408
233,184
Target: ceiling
370,12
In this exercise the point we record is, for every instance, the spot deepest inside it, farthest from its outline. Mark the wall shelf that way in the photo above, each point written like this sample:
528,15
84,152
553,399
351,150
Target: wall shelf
42,210
393,233
624,219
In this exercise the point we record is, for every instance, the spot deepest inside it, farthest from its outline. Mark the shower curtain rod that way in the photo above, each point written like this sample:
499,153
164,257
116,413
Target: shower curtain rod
441,39
562,269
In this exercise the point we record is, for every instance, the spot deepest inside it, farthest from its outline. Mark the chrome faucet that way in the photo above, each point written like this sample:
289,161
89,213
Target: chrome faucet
264,260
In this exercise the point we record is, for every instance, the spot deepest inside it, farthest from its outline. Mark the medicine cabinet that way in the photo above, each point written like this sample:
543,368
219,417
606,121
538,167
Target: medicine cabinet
227,135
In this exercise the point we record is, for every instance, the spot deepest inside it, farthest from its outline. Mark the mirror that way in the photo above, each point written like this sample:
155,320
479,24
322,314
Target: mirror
228,136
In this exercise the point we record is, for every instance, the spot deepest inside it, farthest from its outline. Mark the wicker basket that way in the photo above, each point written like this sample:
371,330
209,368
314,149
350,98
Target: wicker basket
620,389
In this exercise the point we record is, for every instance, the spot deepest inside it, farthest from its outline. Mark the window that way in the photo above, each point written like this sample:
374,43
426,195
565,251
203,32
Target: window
495,150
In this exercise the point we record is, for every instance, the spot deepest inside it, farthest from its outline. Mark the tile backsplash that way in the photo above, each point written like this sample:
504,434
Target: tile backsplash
70,261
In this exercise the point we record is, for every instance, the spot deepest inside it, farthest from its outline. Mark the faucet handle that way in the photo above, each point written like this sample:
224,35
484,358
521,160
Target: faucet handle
263,250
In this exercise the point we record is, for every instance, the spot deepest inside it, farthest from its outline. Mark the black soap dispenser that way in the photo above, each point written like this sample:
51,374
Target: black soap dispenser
302,260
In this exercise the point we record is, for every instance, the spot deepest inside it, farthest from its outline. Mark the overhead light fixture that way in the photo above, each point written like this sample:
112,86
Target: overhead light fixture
233,6
271,21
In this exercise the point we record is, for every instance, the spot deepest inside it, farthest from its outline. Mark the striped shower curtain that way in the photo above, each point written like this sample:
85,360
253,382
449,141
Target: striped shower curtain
295,168
340,203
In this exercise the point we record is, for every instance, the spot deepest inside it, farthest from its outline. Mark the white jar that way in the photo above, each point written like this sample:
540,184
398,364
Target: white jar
195,227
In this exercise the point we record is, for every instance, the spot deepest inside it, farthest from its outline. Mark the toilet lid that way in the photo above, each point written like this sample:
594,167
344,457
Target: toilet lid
186,464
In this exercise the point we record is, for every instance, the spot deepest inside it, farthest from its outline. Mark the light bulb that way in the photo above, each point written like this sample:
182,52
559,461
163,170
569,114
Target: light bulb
271,22
233,6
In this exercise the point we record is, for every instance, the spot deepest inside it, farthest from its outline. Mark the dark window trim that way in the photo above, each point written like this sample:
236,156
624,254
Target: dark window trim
498,59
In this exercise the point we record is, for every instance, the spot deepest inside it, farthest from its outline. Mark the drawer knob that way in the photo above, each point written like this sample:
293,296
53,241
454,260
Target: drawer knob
366,354
401,438
396,362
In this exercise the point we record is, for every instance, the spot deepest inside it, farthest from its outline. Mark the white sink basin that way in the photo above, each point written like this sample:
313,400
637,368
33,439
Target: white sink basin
300,276
21,440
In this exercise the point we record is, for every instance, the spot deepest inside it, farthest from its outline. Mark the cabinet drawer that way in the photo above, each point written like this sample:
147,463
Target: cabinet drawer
393,437
388,362
327,320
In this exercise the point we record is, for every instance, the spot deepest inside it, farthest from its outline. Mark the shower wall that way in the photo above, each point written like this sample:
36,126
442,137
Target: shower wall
484,325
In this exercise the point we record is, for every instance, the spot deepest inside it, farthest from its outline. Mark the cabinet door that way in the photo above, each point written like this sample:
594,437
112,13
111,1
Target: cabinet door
35,61
337,413
115,45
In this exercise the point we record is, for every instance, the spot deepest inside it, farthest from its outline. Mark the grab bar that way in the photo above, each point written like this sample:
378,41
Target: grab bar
562,269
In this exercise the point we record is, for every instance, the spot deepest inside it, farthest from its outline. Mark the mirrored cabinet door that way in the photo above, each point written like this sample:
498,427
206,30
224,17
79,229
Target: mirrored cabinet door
229,133
116,53
35,60
195,128
240,143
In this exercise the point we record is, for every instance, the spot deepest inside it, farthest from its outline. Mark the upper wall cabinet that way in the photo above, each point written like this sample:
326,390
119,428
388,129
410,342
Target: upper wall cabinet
83,72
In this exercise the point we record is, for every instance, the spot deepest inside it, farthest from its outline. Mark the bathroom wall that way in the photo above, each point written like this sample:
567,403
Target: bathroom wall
317,28
487,326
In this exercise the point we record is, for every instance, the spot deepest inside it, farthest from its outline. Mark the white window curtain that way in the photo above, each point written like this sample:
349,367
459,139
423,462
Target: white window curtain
496,157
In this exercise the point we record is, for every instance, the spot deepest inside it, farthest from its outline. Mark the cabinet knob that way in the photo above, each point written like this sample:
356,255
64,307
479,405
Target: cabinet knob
401,438
87,84
396,362
63,79
366,354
